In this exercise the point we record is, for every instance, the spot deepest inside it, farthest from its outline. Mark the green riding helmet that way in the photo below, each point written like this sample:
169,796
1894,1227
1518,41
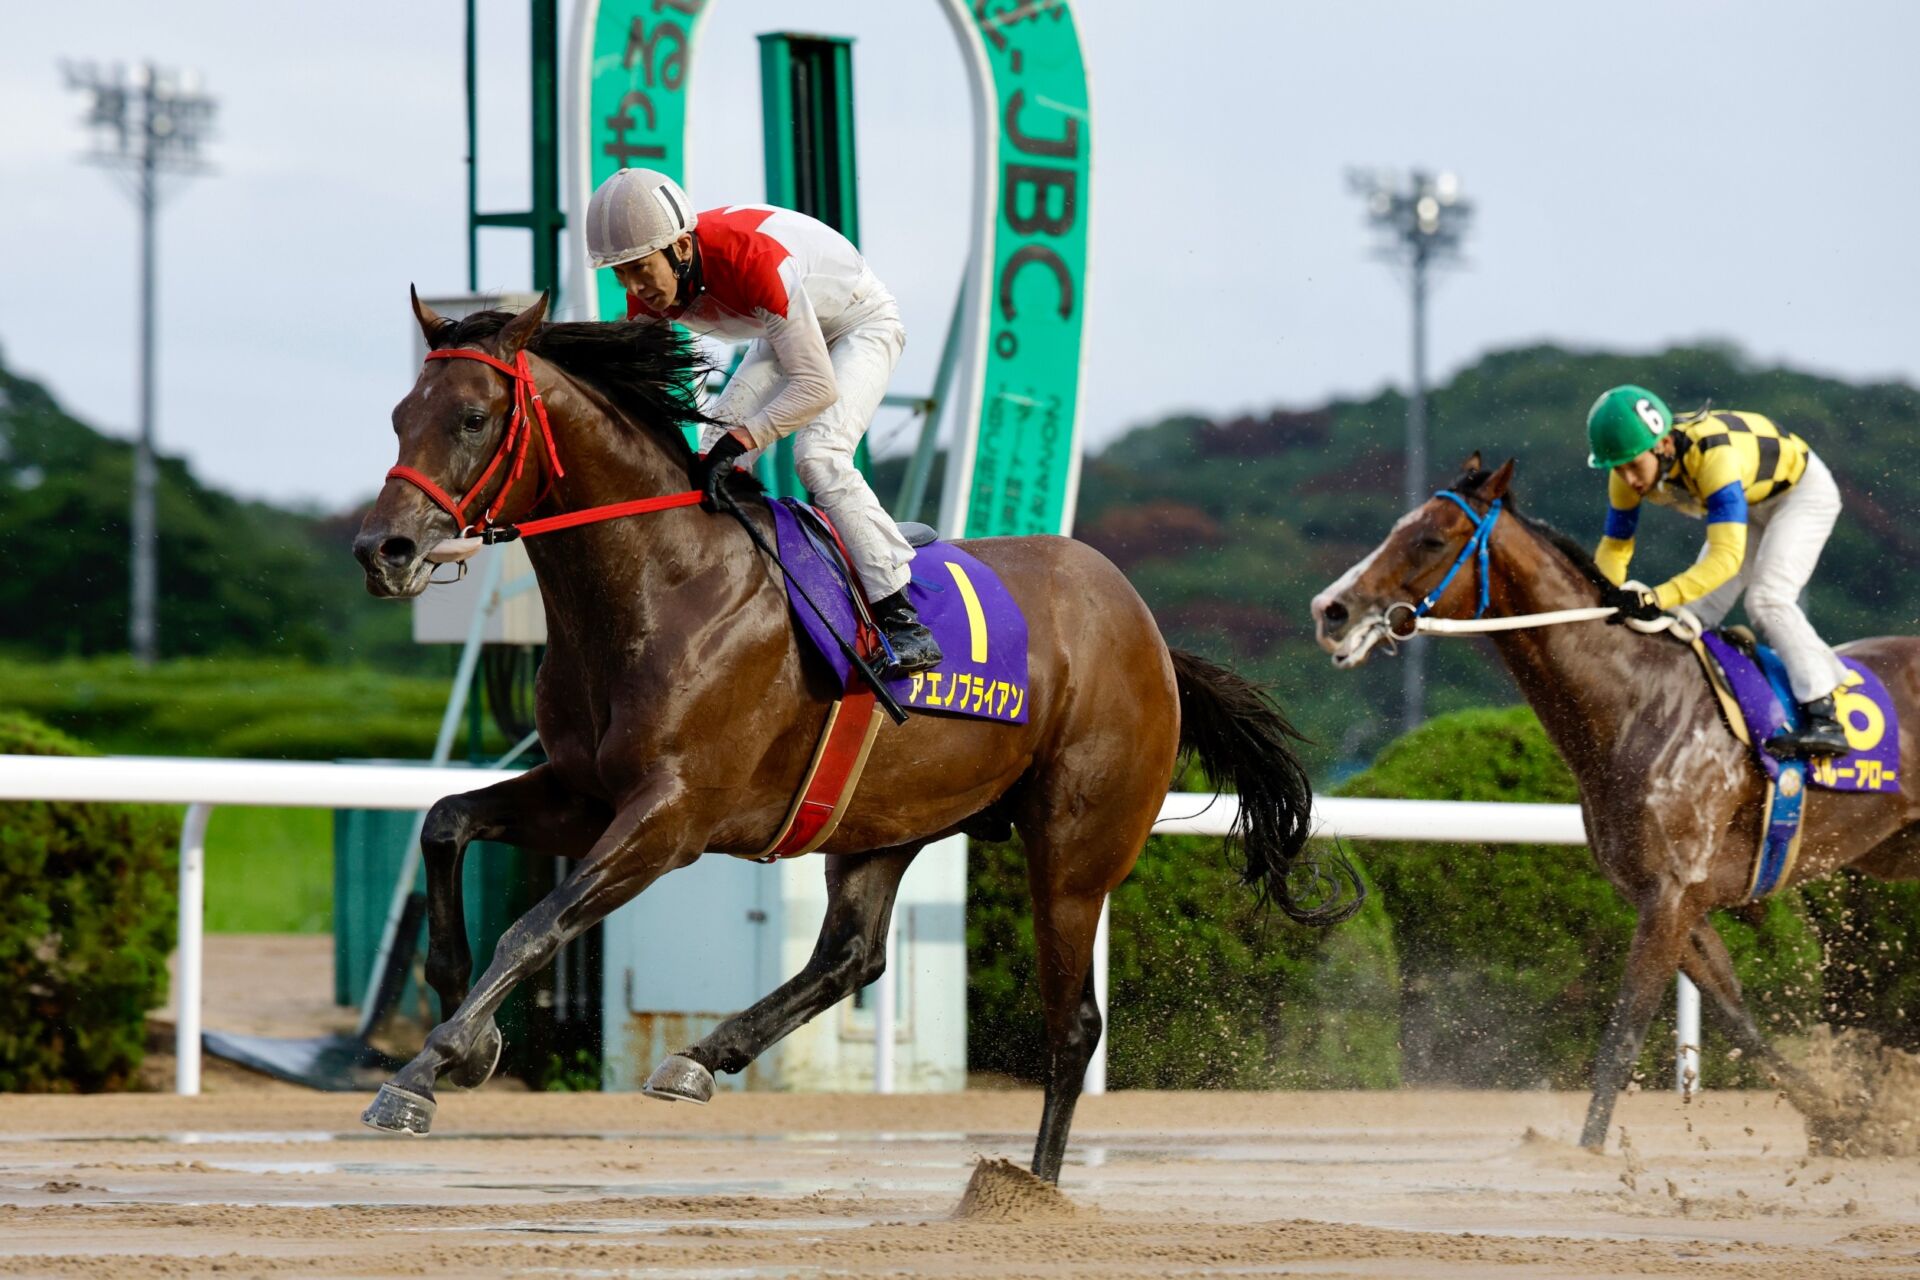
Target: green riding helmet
1623,424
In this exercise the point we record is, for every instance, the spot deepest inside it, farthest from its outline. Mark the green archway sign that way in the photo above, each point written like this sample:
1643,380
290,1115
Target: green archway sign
1014,460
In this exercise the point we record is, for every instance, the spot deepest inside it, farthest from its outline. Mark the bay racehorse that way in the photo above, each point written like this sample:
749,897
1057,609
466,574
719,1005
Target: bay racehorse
1673,802
678,711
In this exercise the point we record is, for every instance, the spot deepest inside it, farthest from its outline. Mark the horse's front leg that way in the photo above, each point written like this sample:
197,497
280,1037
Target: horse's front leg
533,811
850,953
643,842
1652,962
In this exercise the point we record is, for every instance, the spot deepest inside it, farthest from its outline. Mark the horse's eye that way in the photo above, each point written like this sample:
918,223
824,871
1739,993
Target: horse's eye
1430,543
473,422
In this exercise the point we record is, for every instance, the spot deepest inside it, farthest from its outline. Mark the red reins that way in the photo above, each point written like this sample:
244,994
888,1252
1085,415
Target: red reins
527,409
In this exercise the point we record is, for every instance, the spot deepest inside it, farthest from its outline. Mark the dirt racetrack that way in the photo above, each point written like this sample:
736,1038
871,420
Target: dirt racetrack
285,1183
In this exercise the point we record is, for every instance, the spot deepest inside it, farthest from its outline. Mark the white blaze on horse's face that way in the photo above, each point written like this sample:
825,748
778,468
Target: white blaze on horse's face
402,531
1348,627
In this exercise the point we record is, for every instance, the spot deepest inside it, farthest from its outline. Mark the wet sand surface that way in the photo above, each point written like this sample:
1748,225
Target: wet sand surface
286,1183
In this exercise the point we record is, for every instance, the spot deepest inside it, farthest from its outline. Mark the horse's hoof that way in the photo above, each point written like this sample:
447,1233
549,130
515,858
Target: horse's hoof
471,1074
396,1110
679,1078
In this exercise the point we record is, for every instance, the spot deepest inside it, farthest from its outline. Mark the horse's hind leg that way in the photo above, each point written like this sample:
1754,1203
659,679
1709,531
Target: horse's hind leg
1651,963
1084,814
531,811
1063,932
850,953
1082,837
1707,963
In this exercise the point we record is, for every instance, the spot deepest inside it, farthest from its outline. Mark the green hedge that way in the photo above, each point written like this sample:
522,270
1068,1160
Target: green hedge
1872,958
88,926
259,708
1208,990
1510,955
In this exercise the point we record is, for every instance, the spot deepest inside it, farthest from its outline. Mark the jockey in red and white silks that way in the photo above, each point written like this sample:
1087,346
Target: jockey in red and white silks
826,336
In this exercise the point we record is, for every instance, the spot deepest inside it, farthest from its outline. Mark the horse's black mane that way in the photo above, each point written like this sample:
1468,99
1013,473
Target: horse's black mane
1468,484
650,371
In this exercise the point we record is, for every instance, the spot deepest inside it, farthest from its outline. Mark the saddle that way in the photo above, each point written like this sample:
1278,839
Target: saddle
1756,701
980,629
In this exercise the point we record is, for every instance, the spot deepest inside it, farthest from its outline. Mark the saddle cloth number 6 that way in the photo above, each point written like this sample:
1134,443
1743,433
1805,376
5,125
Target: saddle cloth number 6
1863,721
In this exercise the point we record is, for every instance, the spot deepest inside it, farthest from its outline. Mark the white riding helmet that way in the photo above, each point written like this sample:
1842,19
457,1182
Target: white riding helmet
634,213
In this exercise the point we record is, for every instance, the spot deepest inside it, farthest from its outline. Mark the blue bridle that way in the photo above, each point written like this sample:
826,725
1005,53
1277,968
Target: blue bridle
1482,534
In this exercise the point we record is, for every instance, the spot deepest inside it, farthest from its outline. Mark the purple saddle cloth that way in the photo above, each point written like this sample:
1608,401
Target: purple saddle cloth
982,633
1764,701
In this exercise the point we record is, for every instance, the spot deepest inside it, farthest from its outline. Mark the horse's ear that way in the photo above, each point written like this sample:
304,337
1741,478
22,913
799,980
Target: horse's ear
432,323
1494,487
519,331
1472,464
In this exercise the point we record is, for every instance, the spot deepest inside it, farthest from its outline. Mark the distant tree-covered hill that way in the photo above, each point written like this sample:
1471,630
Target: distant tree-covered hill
236,577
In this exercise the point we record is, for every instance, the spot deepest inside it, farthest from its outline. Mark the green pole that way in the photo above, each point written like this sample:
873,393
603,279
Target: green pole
776,115
545,218
845,188
473,165
806,105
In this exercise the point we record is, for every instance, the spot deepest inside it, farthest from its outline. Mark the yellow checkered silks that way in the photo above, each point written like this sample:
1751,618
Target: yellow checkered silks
1715,449
1712,451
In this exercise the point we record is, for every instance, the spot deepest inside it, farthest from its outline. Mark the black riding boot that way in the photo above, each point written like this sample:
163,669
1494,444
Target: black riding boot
914,648
1819,733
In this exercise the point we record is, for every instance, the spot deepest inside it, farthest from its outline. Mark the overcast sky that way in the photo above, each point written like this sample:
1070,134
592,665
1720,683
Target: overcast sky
1644,173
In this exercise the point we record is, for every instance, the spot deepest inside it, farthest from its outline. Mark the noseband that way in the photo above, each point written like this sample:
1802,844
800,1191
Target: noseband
1476,545
528,408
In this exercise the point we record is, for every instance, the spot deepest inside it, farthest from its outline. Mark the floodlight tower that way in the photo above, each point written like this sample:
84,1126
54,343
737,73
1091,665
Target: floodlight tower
1421,222
149,121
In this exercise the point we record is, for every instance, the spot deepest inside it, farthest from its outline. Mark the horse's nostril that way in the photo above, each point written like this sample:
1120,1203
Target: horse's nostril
1334,613
398,552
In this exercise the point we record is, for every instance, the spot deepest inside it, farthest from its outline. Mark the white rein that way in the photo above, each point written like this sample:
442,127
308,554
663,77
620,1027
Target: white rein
1475,626
1682,623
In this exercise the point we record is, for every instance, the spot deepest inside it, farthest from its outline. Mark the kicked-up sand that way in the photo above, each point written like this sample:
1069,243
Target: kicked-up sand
1418,1184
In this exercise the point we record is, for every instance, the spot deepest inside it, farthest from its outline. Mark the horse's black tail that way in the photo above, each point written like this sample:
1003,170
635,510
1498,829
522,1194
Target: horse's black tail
1242,737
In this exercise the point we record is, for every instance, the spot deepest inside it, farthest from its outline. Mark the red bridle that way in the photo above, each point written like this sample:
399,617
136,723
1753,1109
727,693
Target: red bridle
527,409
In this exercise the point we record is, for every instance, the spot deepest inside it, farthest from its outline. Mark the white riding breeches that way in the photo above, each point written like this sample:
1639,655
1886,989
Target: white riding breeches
863,361
1784,539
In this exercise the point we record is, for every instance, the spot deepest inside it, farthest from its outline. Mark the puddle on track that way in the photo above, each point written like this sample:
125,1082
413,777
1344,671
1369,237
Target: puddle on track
702,1273
768,1187
351,1168
230,1137
1095,1154
273,1137
655,1226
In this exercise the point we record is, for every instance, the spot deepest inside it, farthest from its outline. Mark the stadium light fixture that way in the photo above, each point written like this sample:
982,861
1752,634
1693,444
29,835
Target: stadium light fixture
1421,221
147,123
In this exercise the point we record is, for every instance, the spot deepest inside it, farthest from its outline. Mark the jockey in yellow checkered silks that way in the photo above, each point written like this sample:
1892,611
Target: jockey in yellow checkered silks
1770,505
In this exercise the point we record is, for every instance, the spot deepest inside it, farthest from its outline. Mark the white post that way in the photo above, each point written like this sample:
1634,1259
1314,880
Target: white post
883,1018
1096,1081
1686,1026
193,887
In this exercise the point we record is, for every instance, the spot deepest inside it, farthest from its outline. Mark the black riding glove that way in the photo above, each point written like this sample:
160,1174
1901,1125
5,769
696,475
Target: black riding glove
709,470
1634,604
